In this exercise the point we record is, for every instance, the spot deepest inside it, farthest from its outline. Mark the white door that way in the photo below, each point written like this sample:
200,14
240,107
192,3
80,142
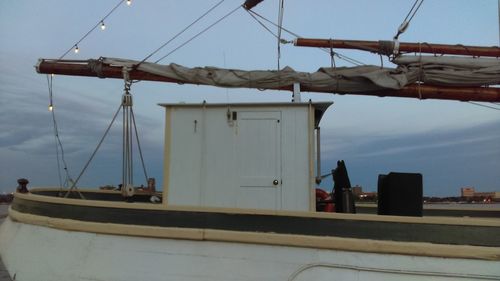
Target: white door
259,157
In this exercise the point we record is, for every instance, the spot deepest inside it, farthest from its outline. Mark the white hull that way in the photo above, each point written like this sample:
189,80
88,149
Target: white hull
38,253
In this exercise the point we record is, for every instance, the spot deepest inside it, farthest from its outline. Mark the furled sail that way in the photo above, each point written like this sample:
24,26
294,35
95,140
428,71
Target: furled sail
341,79
451,71
455,80
445,71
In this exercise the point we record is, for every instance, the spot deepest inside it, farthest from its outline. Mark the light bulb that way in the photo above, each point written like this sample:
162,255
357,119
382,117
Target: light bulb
129,2
52,75
103,26
76,49
51,107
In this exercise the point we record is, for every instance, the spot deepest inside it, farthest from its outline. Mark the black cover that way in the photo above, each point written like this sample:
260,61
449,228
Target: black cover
342,193
400,194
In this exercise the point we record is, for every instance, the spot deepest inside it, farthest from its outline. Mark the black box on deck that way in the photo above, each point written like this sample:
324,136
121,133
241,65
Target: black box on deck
400,194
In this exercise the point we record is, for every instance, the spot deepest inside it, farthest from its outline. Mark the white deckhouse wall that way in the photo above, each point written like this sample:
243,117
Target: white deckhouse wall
255,156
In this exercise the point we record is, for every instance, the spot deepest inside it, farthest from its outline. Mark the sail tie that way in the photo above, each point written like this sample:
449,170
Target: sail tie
96,67
420,71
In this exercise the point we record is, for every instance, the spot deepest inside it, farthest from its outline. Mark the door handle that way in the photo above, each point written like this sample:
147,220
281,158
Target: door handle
275,182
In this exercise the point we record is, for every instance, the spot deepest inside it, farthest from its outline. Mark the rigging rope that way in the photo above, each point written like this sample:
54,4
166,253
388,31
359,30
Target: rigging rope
406,22
139,144
269,21
263,25
483,105
95,151
340,56
182,31
59,145
281,10
199,33
332,58
128,115
51,108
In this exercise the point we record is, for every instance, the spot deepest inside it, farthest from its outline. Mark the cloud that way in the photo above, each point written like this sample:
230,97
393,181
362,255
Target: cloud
400,147
448,158
27,142
28,125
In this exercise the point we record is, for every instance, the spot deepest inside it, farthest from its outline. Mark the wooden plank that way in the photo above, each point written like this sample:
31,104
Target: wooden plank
488,236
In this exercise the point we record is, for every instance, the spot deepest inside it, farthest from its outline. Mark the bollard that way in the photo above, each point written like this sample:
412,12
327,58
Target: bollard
22,187
152,185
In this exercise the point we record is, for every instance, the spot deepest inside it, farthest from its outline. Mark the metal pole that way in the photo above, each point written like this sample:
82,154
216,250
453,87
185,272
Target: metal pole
296,93
127,184
318,155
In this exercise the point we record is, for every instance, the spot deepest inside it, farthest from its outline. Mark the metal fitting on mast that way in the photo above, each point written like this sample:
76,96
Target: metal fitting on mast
127,169
126,79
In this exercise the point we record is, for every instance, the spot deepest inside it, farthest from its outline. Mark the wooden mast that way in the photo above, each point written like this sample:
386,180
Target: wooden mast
86,68
391,47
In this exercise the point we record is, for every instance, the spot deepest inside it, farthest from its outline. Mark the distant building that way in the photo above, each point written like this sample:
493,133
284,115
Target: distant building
357,190
471,192
492,195
361,196
467,191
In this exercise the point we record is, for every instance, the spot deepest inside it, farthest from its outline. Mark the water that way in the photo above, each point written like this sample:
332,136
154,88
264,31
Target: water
462,206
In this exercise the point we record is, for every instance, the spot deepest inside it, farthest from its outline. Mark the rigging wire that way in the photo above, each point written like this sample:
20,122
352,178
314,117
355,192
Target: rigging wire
179,33
281,10
59,145
51,109
483,105
409,12
95,151
339,55
199,33
138,144
414,13
271,22
99,24
406,22
345,58
263,25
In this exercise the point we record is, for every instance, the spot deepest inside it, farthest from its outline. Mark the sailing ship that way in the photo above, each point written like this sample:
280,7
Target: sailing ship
239,198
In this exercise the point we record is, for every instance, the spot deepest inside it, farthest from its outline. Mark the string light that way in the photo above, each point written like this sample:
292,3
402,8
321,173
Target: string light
51,107
100,24
76,49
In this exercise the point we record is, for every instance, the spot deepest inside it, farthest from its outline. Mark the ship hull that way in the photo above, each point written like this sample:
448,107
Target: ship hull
50,238
33,252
